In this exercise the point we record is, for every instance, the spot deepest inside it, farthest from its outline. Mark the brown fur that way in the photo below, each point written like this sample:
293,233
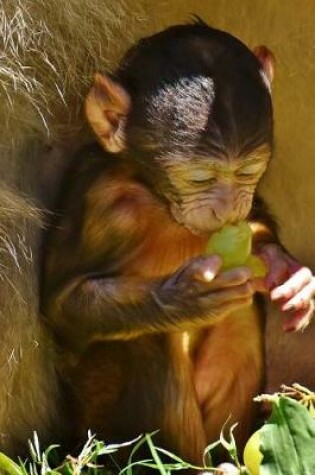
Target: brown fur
44,46
186,381
41,89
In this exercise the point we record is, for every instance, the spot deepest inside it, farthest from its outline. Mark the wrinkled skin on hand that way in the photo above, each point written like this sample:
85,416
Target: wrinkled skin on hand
291,286
202,282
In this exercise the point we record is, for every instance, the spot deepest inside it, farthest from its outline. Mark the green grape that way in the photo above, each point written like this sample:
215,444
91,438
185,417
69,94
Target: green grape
252,455
233,243
257,265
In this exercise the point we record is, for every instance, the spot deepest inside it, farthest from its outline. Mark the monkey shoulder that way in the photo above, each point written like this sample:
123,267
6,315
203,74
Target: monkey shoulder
116,206
102,205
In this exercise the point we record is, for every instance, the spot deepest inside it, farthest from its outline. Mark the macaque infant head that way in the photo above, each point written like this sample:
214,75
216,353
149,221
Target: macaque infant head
191,107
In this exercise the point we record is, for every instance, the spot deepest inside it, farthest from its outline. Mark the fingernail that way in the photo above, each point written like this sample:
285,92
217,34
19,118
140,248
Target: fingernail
288,308
301,326
208,276
275,295
216,259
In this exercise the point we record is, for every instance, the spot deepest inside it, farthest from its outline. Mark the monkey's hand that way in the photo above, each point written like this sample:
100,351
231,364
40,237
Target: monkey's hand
199,287
91,308
291,286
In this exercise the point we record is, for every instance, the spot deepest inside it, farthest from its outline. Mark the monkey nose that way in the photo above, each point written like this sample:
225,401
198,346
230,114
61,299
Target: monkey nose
223,211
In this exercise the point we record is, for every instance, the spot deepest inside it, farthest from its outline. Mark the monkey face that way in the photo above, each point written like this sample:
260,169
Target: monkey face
204,194
203,140
204,146
194,118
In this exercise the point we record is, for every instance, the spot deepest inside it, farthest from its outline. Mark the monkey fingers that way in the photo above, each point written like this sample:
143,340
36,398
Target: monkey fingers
302,299
296,296
198,269
297,282
296,292
227,300
299,320
228,279
204,269
281,265
233,277
277,275
192,278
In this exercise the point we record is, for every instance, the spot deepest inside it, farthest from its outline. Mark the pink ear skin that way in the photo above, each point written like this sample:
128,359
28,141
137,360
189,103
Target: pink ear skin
107,106
267,60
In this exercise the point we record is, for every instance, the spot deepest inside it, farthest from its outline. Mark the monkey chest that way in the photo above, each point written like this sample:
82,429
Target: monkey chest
163,250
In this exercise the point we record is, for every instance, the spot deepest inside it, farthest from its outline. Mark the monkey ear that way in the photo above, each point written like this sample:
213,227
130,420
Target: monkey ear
107,106
267,60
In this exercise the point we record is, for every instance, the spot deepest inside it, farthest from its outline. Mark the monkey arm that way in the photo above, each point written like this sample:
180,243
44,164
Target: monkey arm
95,307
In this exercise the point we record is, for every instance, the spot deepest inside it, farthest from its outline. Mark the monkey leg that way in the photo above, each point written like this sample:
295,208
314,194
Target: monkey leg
228,369
183,424
125,389
109,391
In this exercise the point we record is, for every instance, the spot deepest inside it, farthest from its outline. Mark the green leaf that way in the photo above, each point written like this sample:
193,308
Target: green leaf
8,467
288,440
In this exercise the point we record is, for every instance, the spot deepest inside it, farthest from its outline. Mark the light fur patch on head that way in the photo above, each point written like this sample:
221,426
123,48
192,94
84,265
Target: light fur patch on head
179,111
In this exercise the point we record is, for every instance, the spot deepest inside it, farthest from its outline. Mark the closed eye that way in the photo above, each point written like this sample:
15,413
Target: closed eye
252,169
249,178
251,173
247,174
201,182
